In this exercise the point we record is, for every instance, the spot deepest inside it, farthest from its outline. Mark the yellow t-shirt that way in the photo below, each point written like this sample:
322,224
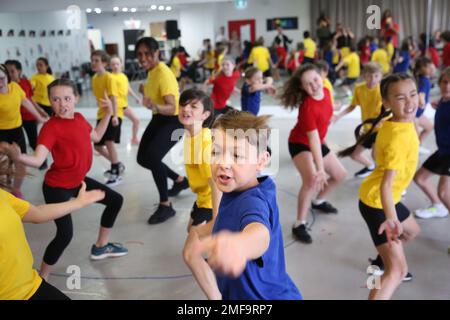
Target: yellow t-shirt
40,83
210,60
381,56
310,48
18,279
260,57
219,62
197,161
336,57
390,50
122,90
10,102
396,148
354,65
102,83
369,100
176,67
327,84
160,83
345,51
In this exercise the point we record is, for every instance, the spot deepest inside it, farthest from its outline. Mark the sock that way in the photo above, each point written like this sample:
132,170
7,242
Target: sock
372,167
299,223
318,202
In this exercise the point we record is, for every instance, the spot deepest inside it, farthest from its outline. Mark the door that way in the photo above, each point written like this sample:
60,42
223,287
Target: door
245,29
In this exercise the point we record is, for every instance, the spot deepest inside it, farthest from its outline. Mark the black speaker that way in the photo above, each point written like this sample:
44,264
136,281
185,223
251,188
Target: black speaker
172,30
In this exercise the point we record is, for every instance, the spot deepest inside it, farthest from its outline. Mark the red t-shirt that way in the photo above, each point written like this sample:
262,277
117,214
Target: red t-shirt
391,32
69,141
312,115
365,54
434,56
281,54
446,55
183,59
28,89
223,88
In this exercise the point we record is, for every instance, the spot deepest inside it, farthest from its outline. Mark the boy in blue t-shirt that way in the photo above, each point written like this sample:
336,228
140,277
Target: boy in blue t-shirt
244,245
439,162
251,90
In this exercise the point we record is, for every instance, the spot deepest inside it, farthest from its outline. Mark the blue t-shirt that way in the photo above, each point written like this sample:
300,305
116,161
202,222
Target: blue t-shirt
250,101
424,87
403,66
442,127
265,278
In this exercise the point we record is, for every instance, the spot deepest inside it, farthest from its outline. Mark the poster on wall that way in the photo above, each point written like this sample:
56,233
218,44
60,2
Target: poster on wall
289,23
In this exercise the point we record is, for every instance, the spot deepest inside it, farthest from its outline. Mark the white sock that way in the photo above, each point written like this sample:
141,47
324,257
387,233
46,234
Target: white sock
299,223
371,167
318,202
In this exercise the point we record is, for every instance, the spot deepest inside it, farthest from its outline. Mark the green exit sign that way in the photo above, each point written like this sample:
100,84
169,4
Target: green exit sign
240,4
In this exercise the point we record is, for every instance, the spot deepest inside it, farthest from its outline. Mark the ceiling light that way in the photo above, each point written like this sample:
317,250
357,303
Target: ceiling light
161,8
125,9
98,10
153,7
88,10
116,9
133,9
168,8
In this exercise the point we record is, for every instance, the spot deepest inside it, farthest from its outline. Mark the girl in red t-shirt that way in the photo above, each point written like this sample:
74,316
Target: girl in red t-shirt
67,136
319,168
224,85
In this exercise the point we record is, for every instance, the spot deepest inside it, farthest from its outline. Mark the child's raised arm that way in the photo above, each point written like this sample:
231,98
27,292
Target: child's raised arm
35,160
48,212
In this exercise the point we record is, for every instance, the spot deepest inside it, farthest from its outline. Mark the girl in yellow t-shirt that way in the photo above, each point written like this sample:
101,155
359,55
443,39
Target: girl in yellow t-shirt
396,152
124,89
40,82
23,282
11,98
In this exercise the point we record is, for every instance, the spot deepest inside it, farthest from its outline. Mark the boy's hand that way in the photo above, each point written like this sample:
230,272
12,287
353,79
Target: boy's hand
12,150
87,197
115,121
148,103
226,254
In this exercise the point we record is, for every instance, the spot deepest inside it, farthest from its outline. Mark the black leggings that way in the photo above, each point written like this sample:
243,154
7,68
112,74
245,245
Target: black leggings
64,228
48,292
155,144
30,128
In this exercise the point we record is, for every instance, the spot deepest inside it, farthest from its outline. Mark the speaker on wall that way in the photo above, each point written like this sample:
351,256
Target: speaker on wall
172,30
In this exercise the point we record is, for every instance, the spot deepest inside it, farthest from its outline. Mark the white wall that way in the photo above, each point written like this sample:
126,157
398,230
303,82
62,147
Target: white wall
63,52
112,24
200,21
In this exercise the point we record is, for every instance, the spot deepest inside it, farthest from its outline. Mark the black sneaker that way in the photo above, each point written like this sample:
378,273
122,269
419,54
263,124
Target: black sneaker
44,166
109,172
162,214
302,234
365,172
379,263
325,207
178,187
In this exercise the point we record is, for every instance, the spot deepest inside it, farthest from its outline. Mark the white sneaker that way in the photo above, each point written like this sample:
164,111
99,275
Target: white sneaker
404,193
424,151
114,180
435,211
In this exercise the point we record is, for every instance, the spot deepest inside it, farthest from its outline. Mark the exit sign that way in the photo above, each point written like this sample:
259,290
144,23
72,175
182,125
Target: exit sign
240,4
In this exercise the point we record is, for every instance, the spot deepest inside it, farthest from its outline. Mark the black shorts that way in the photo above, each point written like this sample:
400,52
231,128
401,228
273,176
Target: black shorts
111,134
370,141
14,135
200,215
439,164
267,73
375,218
308,60
349,81
47,109
296,148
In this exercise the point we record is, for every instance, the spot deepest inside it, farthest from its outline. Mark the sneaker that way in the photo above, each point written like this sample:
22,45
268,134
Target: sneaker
301,234
325,207
365,172
162,214
404,193
379,263
178,187
111,250
108,173
114,180
44,166
424,151
435,211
